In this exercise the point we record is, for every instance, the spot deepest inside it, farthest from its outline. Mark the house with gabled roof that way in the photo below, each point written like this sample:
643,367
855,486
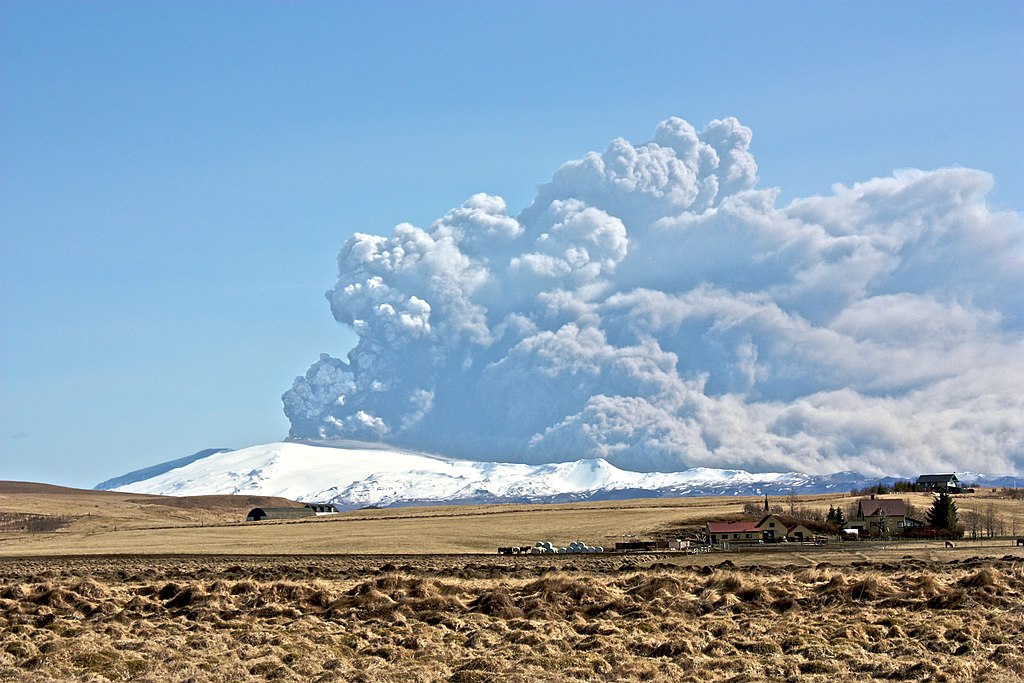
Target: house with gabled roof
766,530
799,533
882,516
939,482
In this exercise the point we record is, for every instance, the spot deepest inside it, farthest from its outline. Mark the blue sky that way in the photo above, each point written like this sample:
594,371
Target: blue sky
176,178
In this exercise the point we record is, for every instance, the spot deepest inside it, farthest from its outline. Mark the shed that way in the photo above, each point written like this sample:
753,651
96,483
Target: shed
259,514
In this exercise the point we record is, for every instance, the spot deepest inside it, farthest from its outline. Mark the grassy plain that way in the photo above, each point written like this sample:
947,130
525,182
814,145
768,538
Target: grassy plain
105,522
134,588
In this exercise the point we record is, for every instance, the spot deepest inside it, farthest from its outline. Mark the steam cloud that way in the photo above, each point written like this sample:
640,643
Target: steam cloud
654,308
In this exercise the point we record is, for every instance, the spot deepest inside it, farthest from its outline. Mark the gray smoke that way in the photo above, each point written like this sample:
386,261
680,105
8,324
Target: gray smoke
654,308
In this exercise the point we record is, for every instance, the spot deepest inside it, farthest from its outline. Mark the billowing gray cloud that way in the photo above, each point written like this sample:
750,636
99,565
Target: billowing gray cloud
652,306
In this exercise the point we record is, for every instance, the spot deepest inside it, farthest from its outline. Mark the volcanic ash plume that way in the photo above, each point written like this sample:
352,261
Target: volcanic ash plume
653,307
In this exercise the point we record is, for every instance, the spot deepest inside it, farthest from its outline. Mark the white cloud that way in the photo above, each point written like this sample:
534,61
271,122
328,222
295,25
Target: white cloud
655,308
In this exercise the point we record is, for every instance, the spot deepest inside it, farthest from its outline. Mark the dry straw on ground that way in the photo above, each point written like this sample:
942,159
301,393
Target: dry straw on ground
499,619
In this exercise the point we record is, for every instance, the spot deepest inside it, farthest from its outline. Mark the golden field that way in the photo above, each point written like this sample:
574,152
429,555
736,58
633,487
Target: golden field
102,522
137,589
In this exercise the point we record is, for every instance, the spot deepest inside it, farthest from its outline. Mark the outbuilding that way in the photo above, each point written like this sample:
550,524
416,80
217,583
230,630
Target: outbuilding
322,508
259,514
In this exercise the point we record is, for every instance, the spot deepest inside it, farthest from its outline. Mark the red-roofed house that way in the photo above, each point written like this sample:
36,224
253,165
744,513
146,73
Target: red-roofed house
768,530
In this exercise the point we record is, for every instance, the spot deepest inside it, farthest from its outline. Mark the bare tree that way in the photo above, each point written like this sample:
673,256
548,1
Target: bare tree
990,520
912,510
751,509
851,510
972,523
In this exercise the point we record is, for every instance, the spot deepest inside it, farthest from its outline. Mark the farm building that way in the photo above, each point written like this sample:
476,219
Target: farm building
767,530
939,482
322,508
882,516
799,533
259,514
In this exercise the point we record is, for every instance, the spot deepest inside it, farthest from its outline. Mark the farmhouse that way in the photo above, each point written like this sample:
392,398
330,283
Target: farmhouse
939,482
259,514
882,516
769,529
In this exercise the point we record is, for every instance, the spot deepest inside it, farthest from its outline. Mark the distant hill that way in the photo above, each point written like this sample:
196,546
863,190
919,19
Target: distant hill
91,510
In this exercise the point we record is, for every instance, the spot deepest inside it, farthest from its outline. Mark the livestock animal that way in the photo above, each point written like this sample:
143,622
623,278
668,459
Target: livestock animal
1020,541
949,544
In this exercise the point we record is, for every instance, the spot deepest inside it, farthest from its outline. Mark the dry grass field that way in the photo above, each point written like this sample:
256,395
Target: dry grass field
102,522
139,588
459,619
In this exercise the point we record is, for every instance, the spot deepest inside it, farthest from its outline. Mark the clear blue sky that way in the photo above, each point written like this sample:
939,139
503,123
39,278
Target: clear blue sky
176,178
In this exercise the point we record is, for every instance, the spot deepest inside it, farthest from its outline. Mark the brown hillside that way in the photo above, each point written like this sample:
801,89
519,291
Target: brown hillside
83,512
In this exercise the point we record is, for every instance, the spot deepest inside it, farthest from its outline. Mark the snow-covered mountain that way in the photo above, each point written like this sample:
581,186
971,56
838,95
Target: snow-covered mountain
353,474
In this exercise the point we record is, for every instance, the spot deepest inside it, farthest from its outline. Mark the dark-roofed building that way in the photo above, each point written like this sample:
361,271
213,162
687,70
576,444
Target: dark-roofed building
882,516
259,514
938,482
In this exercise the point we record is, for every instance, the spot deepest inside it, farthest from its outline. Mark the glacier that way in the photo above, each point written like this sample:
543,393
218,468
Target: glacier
352,475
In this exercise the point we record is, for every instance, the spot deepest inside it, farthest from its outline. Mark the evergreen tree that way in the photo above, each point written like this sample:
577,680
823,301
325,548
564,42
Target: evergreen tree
943,515
835,516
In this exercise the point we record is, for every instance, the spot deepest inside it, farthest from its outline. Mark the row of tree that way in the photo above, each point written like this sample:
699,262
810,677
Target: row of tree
903,486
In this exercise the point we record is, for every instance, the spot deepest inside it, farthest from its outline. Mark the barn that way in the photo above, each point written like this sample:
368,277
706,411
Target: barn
259,514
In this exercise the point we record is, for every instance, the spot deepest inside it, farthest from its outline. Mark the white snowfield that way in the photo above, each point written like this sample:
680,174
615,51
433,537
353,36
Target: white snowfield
356,475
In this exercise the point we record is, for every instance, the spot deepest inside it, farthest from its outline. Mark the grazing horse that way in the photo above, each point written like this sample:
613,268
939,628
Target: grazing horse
949,544
1020,541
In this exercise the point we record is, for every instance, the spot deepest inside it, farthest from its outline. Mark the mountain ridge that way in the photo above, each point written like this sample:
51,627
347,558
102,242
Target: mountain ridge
352,475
